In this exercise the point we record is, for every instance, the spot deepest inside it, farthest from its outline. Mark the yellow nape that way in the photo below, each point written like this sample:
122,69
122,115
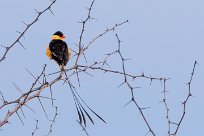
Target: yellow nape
56,37
69,53
48,53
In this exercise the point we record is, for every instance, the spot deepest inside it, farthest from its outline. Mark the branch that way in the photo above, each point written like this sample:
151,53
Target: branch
81,49
25,30
52,122
26,97
187,99
131,88
166,106
84,24
36,128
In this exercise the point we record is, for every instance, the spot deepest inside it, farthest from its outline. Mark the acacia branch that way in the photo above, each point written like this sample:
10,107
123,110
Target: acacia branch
8,48
52,122
131,88
166,106
26,97
36,128
81,49
84,22
187,99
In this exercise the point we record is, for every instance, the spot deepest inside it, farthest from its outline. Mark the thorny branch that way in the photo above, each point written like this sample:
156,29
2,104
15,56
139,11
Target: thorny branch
166,106
36,128
184,103
81,48
23,99
187,99
84,24
53,121
39,13
131,88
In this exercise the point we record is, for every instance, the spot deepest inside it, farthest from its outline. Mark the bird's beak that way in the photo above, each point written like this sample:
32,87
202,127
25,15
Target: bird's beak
63,37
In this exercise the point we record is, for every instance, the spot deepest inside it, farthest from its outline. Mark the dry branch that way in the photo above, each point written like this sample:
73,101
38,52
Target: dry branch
52,122
187,99
39,13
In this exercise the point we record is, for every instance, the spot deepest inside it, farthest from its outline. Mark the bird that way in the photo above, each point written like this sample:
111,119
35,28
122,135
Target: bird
58,50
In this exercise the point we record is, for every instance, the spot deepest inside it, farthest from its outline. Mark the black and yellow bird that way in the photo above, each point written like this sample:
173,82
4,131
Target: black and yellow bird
58,50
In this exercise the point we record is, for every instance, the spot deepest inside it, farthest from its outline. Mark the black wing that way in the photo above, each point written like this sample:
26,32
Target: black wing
65,54
59,51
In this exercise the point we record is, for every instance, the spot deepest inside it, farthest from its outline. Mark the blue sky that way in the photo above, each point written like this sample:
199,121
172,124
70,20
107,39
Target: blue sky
162,39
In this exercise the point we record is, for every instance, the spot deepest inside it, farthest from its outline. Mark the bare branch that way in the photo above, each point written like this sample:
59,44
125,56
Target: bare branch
82,50
36,128
3,56
131,88
187,99
52,122
166,106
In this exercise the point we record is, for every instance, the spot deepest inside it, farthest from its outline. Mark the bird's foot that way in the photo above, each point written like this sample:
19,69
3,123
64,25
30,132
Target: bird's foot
62,67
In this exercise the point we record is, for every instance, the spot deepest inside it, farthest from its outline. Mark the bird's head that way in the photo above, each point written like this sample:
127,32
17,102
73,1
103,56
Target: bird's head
58,36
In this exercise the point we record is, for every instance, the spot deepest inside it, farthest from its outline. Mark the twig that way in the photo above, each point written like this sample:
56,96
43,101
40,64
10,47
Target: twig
166,106
52,122
26,97
82,50
131,88
36,128
187,99
84,24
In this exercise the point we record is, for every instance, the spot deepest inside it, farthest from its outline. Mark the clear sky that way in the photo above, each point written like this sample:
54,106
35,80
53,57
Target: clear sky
163,39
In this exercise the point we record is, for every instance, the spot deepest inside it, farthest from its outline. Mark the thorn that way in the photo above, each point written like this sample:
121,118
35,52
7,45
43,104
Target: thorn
24,23
145,108
4,47
142,74
51,11
128,103
18,32
22,45
121,84
151,80
36,11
